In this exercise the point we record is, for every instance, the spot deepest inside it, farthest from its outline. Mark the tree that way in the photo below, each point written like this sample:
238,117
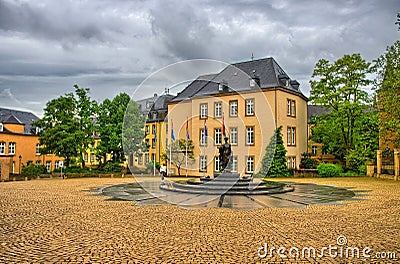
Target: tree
274,162
133,130
341,87
59,128
113,127
387,83
177,149
86,110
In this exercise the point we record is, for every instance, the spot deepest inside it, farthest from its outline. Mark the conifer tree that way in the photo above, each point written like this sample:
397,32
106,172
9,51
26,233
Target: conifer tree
274,161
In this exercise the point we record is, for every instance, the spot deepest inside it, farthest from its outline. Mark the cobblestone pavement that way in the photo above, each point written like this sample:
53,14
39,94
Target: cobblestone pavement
58,221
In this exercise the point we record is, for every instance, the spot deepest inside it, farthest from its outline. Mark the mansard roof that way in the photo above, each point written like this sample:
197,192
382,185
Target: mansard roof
235,78
11,116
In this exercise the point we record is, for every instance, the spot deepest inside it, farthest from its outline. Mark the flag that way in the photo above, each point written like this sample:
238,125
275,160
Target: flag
205,129
223,126
172,131
155,134
187,129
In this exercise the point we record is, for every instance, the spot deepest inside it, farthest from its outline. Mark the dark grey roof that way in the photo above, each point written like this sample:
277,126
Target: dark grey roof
316,110
237,78
161,102
10,116
146,104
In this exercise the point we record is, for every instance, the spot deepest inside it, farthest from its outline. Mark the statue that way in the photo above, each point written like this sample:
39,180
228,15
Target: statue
225,153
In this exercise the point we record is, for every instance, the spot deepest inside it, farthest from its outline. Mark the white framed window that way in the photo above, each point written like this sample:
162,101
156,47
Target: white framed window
92,157
234,135
48,166
140,159
1,127
234,163
250,164
233,108
217,136
147,130
250,107
86,157
2,147
218,109
203,163
203,139
291,162
203,111
291,107
249,135
146,158
56,165
38,149
37,162
314,150
291,136
216,164
11,148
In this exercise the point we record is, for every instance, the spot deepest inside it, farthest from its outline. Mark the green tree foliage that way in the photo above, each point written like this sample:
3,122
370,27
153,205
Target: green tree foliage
86,110
177,149
59,128
67,125
117,132
341,87
387,84
274,162
133,130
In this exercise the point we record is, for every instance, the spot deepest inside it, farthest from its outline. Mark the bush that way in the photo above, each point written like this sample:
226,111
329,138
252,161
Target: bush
362,169
150,166
112,167
33,169
74,169
307,162
329,170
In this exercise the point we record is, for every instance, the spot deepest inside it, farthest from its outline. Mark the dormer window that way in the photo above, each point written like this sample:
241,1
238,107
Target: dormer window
1,127
254,81
37,130
220,87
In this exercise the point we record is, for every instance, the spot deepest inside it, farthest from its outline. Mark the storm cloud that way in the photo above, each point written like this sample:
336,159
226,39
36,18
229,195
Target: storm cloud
111,46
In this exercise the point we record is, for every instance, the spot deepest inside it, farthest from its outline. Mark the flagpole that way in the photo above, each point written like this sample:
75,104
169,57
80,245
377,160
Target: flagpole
170,157
186,158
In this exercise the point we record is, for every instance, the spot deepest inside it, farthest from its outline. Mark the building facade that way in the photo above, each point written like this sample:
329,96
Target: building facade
245,101
20,142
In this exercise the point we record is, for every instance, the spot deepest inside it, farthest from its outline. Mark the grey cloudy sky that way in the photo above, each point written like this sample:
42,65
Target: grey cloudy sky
111,46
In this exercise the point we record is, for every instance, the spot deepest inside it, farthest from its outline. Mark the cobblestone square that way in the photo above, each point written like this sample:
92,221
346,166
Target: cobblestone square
59,221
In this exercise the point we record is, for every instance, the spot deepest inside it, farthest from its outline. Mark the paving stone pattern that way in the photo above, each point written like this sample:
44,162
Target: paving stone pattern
59,221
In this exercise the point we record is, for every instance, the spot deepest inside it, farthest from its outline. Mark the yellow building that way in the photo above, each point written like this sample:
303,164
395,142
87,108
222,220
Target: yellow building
250,99
19,141
156,128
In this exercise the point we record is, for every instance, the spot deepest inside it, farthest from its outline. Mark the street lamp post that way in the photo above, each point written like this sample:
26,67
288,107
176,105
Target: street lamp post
19,158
